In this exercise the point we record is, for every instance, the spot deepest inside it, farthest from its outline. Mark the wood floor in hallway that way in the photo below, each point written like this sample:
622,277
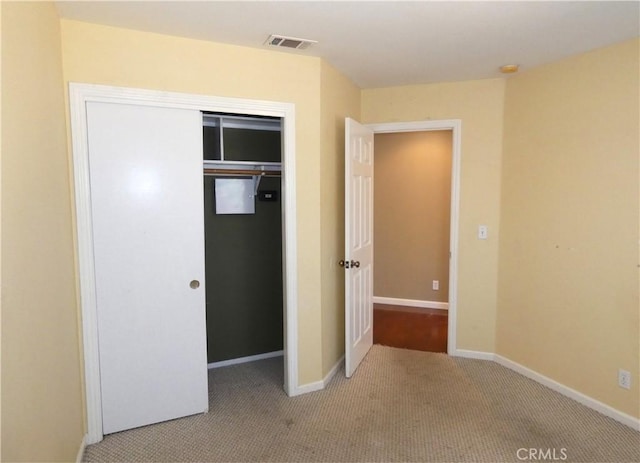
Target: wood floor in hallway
410,327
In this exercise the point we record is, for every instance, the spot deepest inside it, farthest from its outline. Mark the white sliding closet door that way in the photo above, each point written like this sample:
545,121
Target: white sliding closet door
148,232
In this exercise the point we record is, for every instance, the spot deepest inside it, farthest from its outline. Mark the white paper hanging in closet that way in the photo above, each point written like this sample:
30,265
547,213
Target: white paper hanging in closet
235,196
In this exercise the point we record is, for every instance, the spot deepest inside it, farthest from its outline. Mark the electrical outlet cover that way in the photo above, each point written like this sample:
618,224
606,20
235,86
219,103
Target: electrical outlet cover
624,379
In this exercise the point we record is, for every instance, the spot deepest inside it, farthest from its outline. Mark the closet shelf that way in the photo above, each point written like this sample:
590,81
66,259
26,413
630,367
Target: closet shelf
241,172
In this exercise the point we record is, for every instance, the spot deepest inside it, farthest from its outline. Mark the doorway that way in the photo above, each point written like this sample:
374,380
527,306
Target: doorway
454,127
80,96
412,202
358,261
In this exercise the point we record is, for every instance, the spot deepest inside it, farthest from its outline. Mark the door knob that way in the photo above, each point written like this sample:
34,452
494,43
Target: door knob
349,263
195,284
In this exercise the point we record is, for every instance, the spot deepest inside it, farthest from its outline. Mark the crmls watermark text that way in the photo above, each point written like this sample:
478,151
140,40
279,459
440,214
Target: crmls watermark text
532,454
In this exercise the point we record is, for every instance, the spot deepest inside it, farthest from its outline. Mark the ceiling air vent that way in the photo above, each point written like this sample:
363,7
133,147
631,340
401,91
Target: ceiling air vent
289,42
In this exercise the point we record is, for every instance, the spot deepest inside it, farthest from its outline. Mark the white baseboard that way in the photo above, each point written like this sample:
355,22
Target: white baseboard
309,387
628,420
474,354
250,358
590,402
411,303
319,385
334,369
83,445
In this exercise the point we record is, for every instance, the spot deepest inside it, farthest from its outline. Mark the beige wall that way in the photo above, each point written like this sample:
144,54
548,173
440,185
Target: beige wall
568,304
42,416
479,104
121,57
340,98
412,204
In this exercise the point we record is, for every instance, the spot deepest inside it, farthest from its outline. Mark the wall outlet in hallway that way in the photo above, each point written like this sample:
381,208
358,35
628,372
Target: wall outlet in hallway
435,285
624,379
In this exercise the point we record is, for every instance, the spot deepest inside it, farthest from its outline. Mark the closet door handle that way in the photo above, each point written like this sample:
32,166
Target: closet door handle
355,264
194,284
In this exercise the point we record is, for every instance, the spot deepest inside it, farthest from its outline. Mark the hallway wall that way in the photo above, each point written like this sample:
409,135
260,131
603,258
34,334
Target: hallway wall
412,213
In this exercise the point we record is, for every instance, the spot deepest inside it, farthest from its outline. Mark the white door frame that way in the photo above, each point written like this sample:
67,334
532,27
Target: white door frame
455,125
79,95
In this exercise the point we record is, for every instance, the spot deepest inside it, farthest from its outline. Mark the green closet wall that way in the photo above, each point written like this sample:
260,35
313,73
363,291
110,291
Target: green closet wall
243,257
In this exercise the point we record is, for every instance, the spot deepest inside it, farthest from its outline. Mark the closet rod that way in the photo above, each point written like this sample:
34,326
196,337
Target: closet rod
235,172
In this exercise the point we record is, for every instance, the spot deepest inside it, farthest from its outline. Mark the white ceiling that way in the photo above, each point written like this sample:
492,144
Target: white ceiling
378,43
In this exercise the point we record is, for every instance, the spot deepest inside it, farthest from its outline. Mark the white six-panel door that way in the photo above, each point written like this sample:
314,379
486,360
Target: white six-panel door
148,242
358,243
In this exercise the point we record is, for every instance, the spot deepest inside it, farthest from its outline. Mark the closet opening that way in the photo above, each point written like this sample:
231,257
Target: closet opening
244,240
152,143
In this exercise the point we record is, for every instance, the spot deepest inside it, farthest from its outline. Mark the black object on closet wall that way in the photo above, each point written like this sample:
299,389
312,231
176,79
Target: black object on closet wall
243,258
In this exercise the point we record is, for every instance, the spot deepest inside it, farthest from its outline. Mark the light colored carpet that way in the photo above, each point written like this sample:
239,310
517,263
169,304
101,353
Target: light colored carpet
401,405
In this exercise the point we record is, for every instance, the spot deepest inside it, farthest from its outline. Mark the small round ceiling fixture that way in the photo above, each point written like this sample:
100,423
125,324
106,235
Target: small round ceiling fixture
509,68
